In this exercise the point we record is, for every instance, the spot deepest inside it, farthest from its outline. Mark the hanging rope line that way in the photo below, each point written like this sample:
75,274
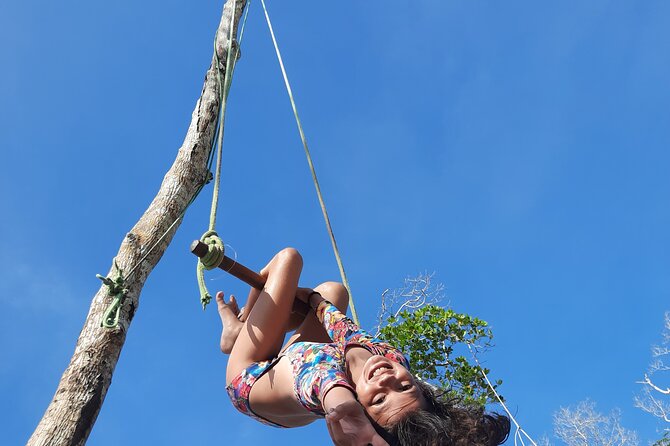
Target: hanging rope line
519,433
216,248
324,211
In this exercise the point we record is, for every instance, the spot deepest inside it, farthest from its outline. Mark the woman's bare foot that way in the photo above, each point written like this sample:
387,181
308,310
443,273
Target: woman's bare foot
231,324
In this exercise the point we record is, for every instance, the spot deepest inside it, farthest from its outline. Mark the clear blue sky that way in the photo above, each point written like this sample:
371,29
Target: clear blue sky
518,150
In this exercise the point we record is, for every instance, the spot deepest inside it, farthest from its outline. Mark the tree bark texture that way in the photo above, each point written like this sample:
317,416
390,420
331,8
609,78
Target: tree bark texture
71,414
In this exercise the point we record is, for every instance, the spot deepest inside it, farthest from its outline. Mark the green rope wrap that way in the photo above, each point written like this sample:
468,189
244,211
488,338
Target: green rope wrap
211,260
215,252
110,318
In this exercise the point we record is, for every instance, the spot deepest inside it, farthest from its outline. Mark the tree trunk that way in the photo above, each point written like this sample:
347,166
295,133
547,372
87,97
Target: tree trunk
70,417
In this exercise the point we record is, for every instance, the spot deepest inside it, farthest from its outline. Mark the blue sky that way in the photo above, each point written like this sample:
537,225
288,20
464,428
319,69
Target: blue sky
517,149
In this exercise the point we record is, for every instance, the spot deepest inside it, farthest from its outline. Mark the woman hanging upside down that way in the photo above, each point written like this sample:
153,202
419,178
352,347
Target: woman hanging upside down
331,368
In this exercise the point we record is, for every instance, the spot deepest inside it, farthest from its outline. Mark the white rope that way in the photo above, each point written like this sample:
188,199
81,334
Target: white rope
324,211
519,433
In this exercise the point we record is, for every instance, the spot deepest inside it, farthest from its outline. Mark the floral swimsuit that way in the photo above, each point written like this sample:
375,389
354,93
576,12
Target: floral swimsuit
316,367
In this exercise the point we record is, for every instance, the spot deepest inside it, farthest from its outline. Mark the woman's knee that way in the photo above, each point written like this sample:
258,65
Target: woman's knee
289,257
335,293
286,258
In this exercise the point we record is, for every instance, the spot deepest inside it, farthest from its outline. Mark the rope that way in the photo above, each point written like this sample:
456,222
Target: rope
223,99
311,168
110,318
519,433
216,249
211,260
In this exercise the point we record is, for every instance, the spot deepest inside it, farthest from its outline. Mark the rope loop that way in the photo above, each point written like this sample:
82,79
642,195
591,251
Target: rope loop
110,319
211,260
215,250
117,289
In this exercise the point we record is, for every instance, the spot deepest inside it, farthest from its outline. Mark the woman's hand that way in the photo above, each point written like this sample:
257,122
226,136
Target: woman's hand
348,426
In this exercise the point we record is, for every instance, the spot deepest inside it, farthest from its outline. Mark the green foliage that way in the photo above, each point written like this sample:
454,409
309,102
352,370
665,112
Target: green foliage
665,441
435,339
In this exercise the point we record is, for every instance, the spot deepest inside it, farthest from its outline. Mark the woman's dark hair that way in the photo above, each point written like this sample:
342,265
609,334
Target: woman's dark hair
446,422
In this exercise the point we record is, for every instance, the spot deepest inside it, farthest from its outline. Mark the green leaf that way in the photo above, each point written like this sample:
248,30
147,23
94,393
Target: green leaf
430,335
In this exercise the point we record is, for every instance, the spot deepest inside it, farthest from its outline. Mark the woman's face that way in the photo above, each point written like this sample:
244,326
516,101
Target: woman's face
387,391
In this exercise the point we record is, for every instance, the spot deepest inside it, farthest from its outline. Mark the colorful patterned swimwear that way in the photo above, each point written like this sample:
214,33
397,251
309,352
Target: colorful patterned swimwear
240,387
317,367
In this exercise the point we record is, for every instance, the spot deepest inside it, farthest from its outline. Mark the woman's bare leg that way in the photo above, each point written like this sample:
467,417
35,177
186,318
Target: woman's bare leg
296,317
307,327
233,318
260,336
311,330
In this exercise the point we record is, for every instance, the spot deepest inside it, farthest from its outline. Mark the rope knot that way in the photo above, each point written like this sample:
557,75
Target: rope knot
118,291
215,251
211,260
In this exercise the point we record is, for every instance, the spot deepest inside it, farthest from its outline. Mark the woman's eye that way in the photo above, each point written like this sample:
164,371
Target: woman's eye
379,400
406,387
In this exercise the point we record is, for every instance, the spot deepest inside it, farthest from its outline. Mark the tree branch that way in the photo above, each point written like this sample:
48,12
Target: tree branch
649,383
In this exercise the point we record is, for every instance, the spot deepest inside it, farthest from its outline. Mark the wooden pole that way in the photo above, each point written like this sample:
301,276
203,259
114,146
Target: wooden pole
231,266
243,273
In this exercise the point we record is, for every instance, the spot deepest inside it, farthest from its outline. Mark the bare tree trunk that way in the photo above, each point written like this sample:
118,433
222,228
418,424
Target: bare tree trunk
70,417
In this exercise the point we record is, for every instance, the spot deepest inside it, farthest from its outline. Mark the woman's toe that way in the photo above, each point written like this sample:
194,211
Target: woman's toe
233,305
